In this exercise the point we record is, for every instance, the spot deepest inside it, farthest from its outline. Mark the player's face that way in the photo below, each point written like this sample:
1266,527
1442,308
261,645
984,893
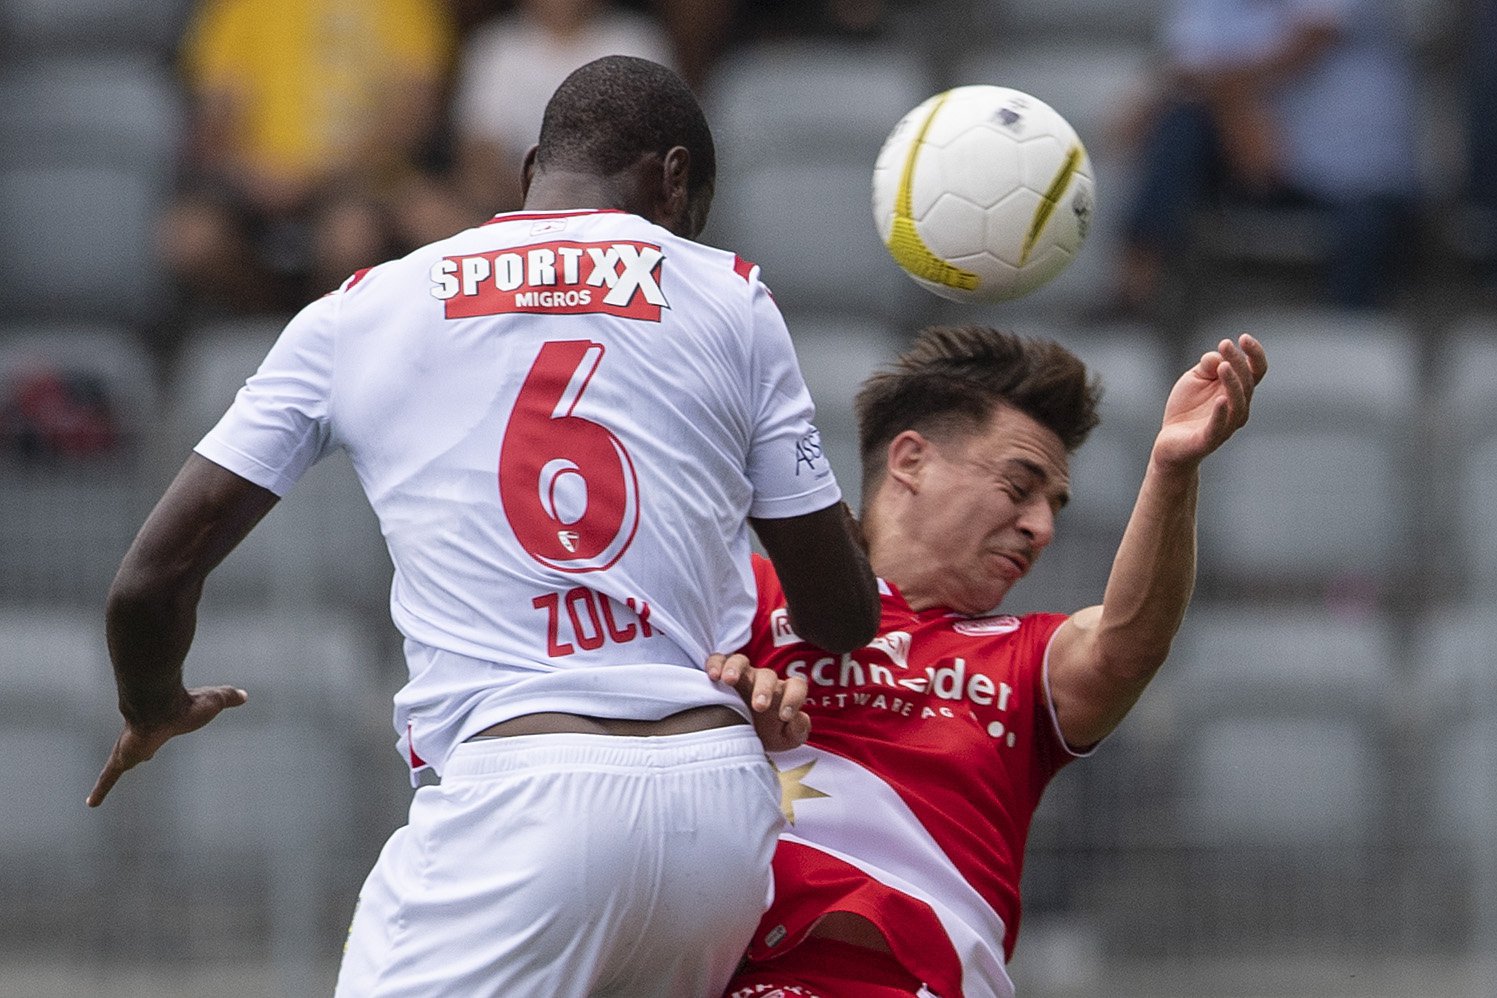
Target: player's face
986,508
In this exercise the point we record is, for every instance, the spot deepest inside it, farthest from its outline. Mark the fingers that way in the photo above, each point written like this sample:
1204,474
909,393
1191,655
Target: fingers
762,687
1256,355
1234,375
113,770
798,729
137,745
793,693
726,668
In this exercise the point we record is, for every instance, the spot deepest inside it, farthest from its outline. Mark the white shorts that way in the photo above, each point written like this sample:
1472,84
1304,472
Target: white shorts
557,865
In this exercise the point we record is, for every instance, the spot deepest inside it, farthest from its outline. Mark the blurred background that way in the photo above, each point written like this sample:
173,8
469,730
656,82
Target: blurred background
1305,803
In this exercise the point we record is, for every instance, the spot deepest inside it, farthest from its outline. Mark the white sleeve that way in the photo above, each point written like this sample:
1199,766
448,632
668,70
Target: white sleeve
278,425
789,473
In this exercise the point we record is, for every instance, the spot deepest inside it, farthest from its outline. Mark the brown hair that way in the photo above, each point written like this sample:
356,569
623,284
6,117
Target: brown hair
954,377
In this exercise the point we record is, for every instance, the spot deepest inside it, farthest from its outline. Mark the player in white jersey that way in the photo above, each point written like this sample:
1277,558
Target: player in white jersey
564,419
911,801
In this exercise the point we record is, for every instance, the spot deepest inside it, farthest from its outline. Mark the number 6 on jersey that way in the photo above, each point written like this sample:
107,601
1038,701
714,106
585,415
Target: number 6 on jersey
566,482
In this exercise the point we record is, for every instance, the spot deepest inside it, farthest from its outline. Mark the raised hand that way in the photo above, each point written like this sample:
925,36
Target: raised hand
1210,402
138,743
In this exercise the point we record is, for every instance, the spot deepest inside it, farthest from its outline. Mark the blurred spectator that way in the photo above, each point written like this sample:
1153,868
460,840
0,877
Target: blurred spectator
310,120
510,68
1277,102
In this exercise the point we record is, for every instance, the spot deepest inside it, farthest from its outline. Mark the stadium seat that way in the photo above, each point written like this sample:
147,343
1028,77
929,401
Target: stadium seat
795,175
57,722
1457,701
1279,776
757,99
277,807
321,543
1282,783
45,26
1464,464
87,150
1316,495
1456,796
77,410
835,356
76,244
1283,713
96,111
1262,660
809,225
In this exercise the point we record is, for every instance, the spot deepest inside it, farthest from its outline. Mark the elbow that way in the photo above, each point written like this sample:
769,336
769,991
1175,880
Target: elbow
843,632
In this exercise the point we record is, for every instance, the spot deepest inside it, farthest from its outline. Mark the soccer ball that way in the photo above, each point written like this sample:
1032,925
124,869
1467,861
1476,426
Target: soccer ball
983,193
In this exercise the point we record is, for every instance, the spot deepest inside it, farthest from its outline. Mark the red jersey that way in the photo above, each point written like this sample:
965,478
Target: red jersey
911,803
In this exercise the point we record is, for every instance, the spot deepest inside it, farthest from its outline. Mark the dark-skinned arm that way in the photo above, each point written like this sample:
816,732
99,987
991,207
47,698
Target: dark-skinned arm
830,591
151,612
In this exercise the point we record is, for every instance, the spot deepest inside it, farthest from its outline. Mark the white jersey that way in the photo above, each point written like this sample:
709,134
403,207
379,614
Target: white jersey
562,420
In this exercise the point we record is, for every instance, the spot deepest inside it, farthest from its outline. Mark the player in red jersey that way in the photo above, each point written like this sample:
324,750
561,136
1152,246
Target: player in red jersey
910,804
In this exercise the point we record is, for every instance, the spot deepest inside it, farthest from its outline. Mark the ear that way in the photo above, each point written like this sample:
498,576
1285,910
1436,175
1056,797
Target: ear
527,171
675,175
906,459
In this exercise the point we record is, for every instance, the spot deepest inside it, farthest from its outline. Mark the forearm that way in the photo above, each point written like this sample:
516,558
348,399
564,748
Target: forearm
149,625
1153,574
151,612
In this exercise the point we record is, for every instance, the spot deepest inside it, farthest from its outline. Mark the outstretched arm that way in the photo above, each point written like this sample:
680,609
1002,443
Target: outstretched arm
1103,657
152,609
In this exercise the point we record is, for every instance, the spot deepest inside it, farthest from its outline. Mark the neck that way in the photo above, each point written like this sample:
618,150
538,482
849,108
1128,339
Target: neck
560,191
898,560
907,573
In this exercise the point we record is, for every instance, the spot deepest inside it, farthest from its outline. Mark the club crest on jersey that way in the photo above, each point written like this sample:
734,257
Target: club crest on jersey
555,278
979,626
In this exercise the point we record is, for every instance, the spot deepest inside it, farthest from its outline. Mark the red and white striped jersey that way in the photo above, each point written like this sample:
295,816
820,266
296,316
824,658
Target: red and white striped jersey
911,803
562,420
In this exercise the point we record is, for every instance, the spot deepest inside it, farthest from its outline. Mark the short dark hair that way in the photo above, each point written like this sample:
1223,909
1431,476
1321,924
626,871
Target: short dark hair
953,378
609,112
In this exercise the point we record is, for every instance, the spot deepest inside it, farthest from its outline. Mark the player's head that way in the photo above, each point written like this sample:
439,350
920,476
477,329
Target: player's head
635,126
965,442
953,377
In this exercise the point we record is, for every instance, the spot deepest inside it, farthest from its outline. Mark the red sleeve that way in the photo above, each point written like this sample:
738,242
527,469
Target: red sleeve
1051,753
767,586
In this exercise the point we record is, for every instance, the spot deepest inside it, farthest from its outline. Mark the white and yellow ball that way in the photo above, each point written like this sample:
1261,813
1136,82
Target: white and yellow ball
983,193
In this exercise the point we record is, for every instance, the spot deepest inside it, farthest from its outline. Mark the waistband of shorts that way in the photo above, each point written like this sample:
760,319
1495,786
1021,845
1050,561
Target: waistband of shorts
494,756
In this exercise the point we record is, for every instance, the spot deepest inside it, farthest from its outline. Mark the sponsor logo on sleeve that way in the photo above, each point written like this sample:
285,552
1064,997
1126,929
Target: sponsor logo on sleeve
555,278
808,454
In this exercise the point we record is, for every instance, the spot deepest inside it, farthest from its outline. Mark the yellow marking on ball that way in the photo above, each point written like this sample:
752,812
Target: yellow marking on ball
1050,200
905,244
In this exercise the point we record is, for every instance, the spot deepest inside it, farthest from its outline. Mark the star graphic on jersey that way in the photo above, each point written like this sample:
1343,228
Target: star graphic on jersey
792,789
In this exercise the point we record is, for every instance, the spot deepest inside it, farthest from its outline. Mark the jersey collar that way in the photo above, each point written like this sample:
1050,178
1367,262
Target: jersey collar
527,216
